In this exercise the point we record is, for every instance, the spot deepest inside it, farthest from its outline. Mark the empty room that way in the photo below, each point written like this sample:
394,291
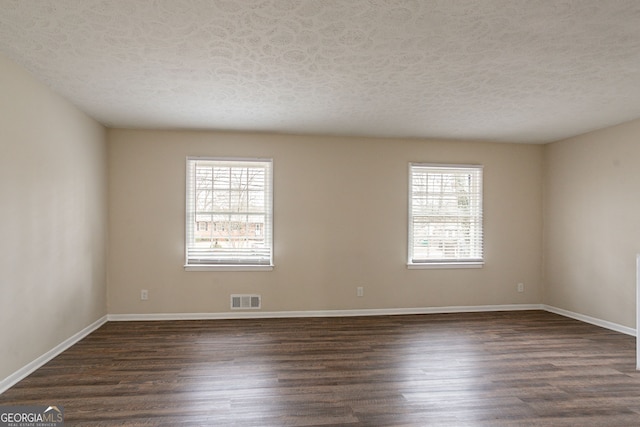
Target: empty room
319,212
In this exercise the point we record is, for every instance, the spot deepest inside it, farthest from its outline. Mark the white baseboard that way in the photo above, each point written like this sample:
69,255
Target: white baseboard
26,370
371,312
320,313
592,320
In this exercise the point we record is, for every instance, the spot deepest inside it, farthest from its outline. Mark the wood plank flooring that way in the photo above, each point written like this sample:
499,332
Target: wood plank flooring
475,369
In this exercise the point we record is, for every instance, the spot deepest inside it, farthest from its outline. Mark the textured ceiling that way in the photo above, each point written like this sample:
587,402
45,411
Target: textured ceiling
504,70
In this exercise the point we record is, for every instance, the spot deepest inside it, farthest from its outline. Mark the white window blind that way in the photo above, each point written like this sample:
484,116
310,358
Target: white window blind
229,212
445,214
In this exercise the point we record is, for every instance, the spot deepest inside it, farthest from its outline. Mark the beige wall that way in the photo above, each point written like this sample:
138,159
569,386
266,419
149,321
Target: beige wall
592,229
52,219
340,222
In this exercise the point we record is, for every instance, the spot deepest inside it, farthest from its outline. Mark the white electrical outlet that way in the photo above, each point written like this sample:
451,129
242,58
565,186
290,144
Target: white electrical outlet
520,287
144,295
360,291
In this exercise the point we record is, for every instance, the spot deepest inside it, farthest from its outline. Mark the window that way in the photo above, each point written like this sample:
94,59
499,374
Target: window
445,215
228,213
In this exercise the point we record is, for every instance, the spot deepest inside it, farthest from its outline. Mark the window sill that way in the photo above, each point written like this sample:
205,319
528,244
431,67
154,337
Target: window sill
228,267
444,265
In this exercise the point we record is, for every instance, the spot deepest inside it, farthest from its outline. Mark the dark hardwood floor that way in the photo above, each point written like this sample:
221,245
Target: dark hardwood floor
475,369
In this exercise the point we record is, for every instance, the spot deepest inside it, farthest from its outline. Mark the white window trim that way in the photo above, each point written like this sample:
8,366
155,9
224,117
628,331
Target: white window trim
439,264
228,267
444,265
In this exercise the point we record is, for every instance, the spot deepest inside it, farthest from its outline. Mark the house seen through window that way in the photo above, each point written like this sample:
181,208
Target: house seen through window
228,212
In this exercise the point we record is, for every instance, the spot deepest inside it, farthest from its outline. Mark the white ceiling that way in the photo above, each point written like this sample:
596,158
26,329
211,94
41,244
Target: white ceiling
503,70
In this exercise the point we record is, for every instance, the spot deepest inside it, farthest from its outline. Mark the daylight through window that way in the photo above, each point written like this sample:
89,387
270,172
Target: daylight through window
445,215
229,212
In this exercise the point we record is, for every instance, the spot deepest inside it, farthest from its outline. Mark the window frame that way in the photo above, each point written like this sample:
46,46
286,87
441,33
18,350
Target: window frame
452,263
267,231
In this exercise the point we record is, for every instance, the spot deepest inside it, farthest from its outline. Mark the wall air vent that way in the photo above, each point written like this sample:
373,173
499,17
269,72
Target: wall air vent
246,302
